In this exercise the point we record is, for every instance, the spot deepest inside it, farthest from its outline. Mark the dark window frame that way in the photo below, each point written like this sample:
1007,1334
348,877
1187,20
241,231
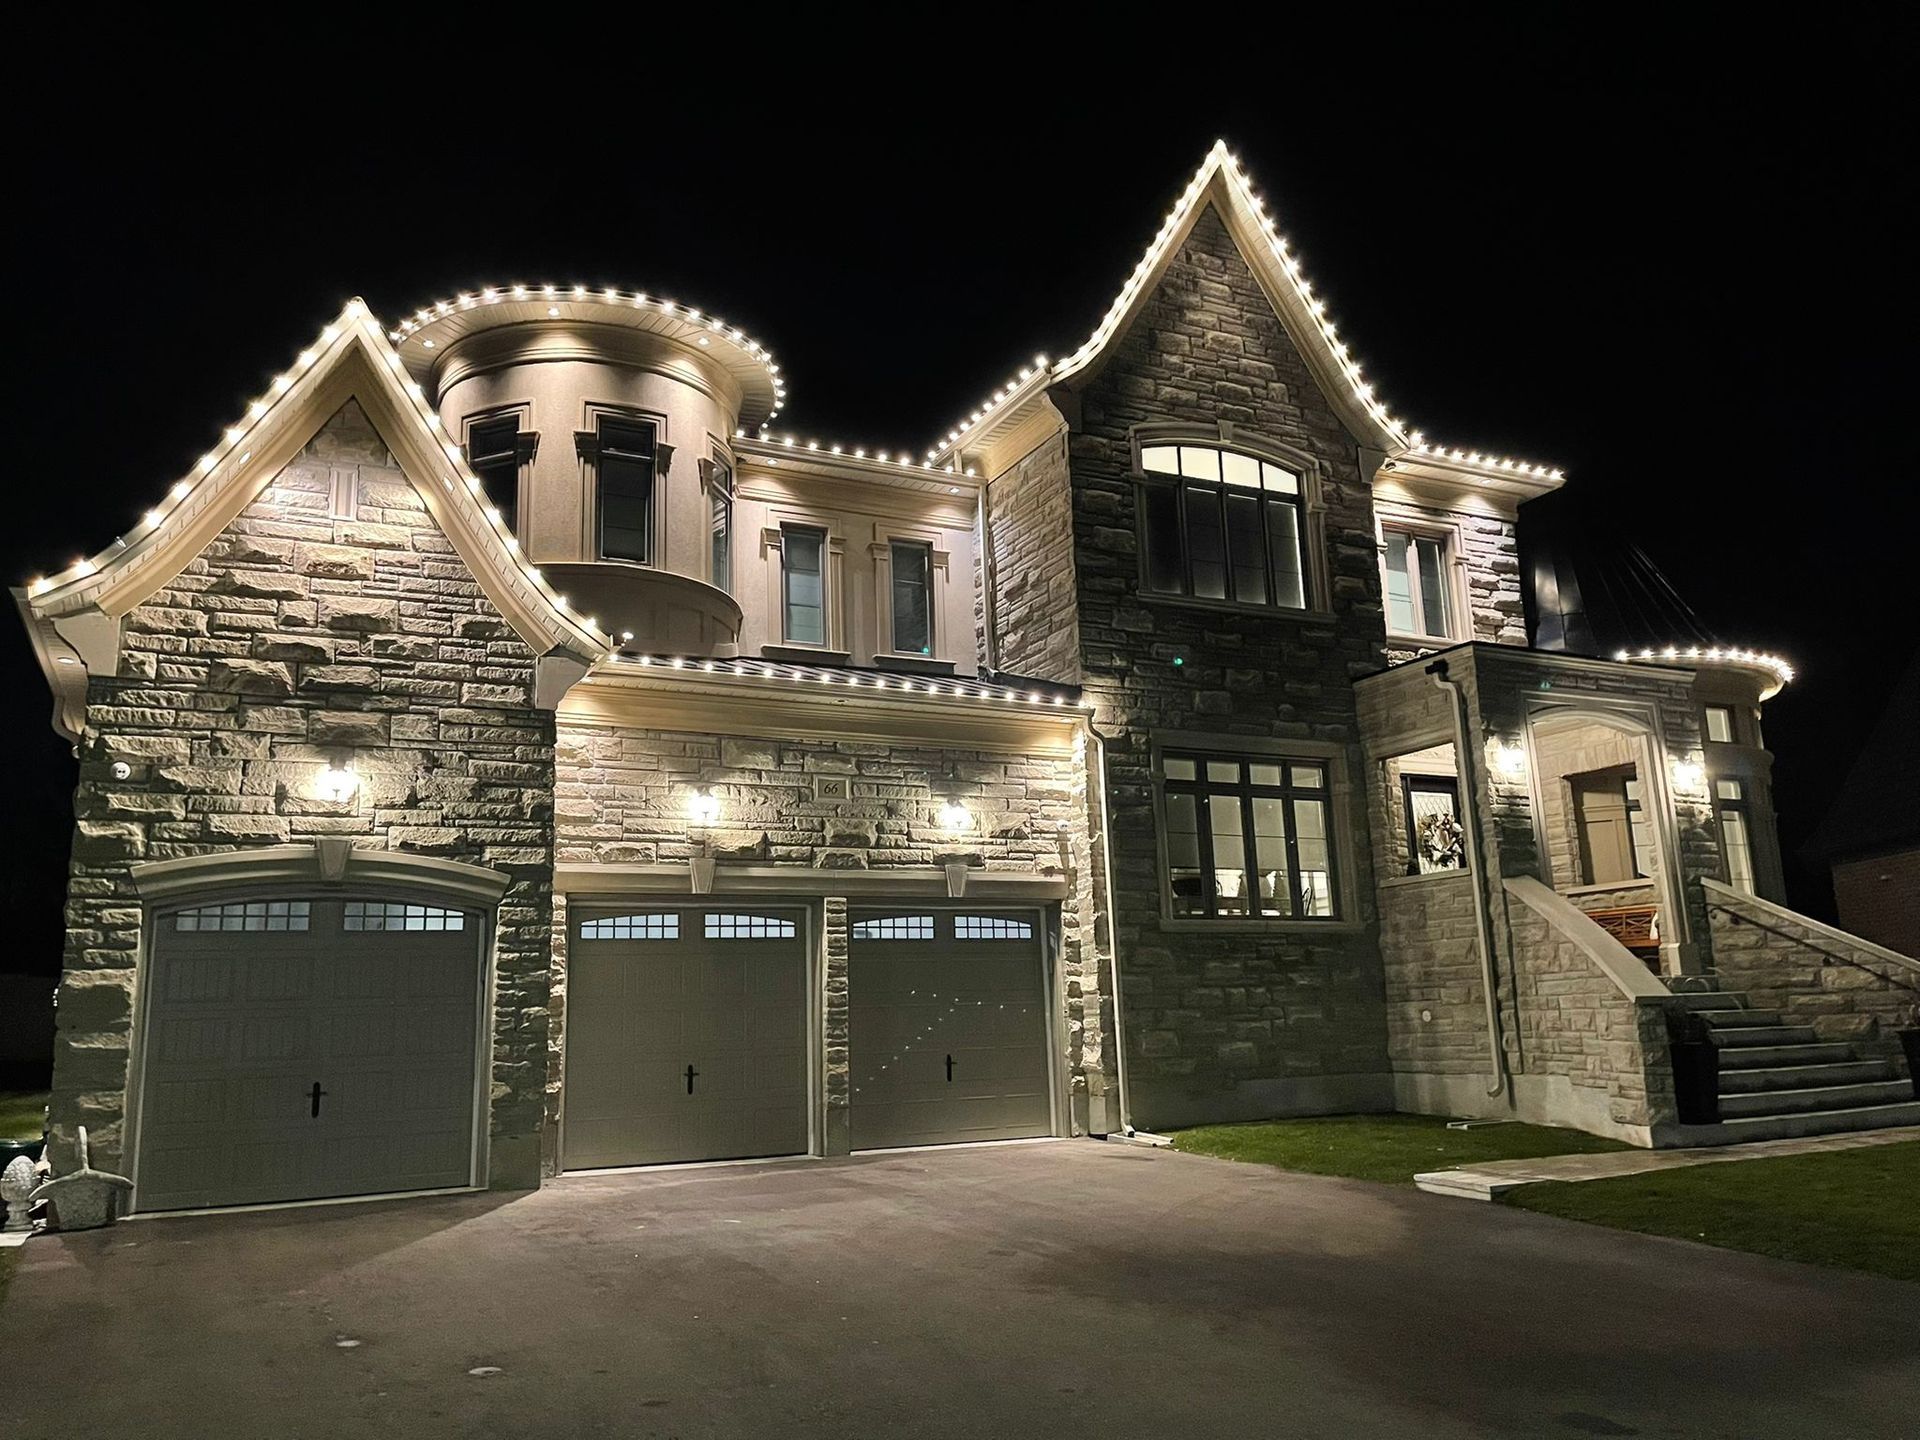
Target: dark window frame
596,447
722,492
1156,485
1246,790
500,466
923,550
1412,784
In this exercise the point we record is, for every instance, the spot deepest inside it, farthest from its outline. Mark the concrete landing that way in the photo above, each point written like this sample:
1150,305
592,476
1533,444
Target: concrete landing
1496,1177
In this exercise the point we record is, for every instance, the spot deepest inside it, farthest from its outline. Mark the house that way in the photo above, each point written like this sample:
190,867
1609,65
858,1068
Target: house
510,750
1870,836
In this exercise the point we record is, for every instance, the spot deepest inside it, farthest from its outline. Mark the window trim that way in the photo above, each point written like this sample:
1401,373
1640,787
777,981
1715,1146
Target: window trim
1309,507
1352,904
720,464
779,520
1421,524
1742,806
1413,782
1706,724
527,446
939,571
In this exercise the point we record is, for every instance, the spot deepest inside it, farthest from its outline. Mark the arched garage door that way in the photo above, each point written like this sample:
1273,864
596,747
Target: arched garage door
305,1048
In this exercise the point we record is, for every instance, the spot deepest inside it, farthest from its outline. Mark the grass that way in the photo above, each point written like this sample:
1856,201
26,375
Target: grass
21,1112
1854,1209
1389,1148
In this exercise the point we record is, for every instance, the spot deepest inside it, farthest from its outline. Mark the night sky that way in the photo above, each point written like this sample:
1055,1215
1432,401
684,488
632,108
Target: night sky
1678,267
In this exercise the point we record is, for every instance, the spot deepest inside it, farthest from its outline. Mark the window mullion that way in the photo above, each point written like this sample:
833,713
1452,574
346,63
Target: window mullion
1203,828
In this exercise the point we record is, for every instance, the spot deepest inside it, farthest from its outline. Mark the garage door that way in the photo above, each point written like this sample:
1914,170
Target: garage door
948,1013
686,1035
302,1048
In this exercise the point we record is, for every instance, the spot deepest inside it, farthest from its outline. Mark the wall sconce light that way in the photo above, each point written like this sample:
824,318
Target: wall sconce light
1688,774
1510,760
337,783
703,807
954,816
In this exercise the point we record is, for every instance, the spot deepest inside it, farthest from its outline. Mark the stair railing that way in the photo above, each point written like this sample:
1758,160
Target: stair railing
1828,954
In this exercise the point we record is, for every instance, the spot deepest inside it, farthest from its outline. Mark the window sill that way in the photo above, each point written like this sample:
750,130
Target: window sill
1457,873
1429,642
908,663
1185,925
1235,607
806,654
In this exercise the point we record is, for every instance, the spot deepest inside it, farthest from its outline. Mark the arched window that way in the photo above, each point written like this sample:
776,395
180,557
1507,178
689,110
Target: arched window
1221,524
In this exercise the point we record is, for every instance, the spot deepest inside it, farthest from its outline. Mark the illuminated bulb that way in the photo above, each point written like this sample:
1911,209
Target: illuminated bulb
337,783
1510,760
955,817
703,807
1688,774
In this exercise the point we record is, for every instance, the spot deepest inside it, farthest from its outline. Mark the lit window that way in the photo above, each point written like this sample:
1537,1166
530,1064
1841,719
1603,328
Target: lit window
1736,835
1248,838
1416,585
803,593
624,455
379,915
1436,839
748,927
912,566
1220,525
494,454
1720,724
650,925
894,927
247,915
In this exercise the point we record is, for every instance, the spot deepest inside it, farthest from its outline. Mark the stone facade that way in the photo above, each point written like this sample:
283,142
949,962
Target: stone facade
298,639
1489,552
1282,1015
1845,988
1030,537
1429,950
621,800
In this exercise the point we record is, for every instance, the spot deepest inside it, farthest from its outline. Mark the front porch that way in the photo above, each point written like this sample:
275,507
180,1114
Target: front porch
1553,891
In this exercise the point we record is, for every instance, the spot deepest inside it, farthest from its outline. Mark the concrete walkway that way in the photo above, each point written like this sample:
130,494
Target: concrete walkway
1494,1178
1069,1289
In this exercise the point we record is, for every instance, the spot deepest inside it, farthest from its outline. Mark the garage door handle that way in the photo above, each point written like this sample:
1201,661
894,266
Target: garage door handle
692,1075
949,1069
314,1095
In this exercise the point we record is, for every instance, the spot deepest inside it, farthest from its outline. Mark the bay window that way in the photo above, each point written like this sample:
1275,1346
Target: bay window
1218,524
1248,838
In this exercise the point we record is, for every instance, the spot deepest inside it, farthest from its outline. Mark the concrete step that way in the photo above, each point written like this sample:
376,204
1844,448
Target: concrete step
1711,1000
1825,1097
1764,1057
1773,1035
1804,1077
1739,1019
1821,1122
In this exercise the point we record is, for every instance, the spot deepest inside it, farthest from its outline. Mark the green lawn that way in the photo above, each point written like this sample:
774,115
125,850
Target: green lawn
1856,1209
21,1114
1390,1148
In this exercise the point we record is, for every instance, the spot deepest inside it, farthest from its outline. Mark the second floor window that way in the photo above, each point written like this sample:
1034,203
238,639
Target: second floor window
1720,724
625,463
1221,525
493,454
1416,585
720,515
912,566
803,594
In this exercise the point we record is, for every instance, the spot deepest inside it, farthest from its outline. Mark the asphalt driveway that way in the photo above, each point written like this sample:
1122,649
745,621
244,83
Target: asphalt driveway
1060,1289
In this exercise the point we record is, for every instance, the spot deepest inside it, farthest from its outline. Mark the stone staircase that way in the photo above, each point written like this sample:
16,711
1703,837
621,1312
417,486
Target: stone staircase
1780,1081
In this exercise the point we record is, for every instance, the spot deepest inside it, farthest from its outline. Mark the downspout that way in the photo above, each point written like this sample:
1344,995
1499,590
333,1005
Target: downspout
1106,890
1476,861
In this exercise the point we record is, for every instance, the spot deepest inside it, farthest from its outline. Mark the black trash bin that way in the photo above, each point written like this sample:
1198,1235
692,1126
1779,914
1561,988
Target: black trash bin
1696,1070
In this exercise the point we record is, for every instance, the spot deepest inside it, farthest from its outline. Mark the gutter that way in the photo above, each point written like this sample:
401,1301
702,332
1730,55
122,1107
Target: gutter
1469,802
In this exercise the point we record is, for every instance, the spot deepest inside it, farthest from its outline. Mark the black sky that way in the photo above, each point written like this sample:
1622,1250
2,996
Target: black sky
1677,262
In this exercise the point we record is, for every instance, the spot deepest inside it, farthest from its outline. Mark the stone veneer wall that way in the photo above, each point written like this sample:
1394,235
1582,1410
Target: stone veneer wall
1436,1013
1030,526
1560,755
1844,987
296,639
621,799
1229,1021
1569,1021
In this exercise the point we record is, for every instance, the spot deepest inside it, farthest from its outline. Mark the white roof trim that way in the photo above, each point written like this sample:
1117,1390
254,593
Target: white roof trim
352,359
1220,182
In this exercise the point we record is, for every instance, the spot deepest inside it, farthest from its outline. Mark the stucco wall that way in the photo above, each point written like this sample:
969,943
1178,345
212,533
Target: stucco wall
295,640
1227,1022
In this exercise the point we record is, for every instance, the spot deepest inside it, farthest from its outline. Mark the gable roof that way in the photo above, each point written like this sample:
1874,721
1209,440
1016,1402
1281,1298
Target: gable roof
74,615
1223,185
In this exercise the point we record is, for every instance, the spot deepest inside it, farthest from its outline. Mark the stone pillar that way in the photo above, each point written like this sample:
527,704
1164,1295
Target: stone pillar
836,1136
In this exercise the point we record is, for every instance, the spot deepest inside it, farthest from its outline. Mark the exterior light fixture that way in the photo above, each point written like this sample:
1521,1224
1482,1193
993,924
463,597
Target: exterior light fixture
1510,760
955,817
1688,774
703,807
337,783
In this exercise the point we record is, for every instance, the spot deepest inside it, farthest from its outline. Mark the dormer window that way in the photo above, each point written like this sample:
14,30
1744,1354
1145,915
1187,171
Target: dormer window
1219,524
